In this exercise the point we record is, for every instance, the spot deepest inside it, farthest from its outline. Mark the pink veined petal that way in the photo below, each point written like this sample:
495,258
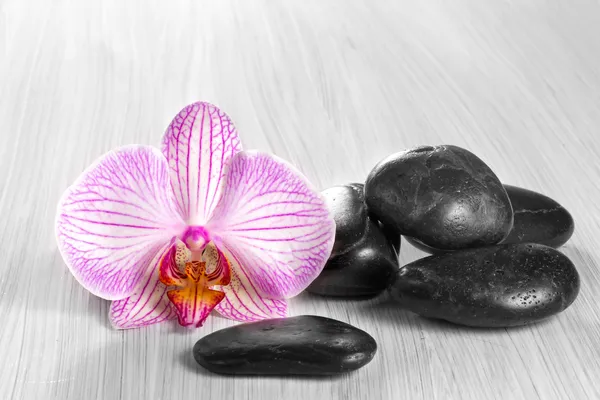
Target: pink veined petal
242,301
274,222
114,219
198,144
147,305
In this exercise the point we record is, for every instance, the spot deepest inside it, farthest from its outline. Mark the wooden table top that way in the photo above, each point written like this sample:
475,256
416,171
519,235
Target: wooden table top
332,86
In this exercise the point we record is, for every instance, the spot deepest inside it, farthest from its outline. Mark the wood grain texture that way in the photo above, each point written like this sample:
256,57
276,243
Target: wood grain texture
333,86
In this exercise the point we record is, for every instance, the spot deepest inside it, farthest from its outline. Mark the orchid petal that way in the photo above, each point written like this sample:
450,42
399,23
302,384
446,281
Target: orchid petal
114,219
198,144
147,305
274,222
243,302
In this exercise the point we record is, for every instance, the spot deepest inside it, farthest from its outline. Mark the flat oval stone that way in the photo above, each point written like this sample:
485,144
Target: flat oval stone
538,219
347,206
444,196
304,345
496,286
364,271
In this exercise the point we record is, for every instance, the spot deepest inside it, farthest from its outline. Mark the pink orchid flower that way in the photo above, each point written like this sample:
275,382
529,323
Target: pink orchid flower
201,226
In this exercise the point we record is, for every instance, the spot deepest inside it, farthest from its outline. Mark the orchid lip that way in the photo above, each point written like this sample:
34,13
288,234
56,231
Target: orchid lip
191,282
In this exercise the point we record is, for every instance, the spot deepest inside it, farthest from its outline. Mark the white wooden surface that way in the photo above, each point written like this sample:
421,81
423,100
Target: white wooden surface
333,86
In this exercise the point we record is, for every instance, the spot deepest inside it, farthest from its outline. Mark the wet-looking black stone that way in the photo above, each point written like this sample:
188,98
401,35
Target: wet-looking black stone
538,219
364,271
303,345
365,258
496,286
347,206
444,196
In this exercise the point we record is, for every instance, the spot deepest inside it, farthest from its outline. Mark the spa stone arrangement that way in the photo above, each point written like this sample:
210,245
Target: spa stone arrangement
493,263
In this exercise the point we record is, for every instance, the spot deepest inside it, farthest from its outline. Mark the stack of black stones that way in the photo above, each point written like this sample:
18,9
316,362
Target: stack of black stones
494,263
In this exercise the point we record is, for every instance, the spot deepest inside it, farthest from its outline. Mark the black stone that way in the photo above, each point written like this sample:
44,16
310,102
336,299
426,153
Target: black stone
538,219
444,196
391,234
496,286
304,345
364,260
364,271
347,206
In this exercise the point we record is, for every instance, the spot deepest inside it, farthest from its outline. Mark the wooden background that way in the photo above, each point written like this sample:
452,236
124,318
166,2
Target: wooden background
333,86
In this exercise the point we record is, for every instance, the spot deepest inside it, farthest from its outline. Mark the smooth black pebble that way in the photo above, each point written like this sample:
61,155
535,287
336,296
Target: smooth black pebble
538,219
304,345
496,286
444,196
364,261
349,211
364,271
391,234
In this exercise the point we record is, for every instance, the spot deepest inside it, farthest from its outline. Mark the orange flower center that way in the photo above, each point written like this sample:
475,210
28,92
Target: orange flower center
192,295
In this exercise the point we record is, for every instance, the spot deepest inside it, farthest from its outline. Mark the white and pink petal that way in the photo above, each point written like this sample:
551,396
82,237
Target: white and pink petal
274,222
147,305
198,144
243,301
114,219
